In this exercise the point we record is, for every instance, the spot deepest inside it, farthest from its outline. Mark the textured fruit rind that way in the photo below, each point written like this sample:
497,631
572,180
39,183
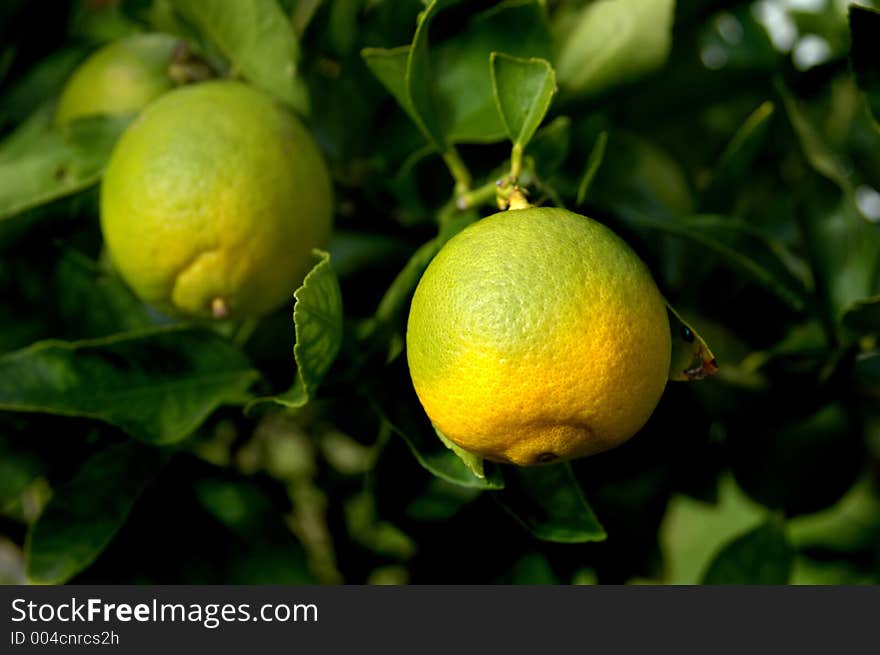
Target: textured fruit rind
537,335
215,192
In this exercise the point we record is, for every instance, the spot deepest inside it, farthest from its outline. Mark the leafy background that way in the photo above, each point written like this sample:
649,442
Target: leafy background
731,143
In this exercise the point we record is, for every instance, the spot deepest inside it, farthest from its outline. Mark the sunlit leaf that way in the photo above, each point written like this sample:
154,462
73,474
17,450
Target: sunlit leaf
318,321
259,41
613,41
523,90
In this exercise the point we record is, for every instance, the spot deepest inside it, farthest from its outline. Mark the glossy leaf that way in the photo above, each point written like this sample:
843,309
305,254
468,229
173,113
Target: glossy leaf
56,165
257,39
389,67
408,421
84,514
523,90
474,462
446,88
692,359
317,319
761,556
548,501
158,386
613,41
462,71
864,24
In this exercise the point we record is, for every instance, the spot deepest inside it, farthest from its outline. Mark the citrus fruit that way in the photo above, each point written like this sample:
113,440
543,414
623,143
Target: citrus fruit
537,335
120,78
213,201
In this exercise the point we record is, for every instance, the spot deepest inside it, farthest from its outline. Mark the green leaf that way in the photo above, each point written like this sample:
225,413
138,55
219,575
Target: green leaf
472,461
405,417
158,386
389,67
692,530
462,72
597,154
864,25
395,401
317,319
612,41
843,248
761,556
54,166
548,501
692,359
739,155
84,514
27,133
258,40
549,148
447,90
742,247
523,90
112,306
420,79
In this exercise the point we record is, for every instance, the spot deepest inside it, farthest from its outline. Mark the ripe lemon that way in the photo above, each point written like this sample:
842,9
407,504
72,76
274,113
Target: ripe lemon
213,200
538,335
120,78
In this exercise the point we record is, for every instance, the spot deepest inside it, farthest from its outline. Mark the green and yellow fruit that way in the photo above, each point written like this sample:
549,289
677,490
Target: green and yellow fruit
537,335
213,201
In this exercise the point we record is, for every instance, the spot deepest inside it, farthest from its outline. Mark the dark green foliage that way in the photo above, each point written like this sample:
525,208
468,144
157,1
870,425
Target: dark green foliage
742,164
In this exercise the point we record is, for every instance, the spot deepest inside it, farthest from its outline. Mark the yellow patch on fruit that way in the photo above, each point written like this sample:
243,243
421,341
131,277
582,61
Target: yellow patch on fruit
213,201
537,335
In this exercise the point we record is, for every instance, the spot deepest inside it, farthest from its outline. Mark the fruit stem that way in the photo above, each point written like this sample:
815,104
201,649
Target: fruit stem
516,156
518,199
480,196
459,171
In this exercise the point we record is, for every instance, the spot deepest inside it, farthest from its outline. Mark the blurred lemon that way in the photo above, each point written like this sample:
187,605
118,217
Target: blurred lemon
538,335
213,201
120,78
